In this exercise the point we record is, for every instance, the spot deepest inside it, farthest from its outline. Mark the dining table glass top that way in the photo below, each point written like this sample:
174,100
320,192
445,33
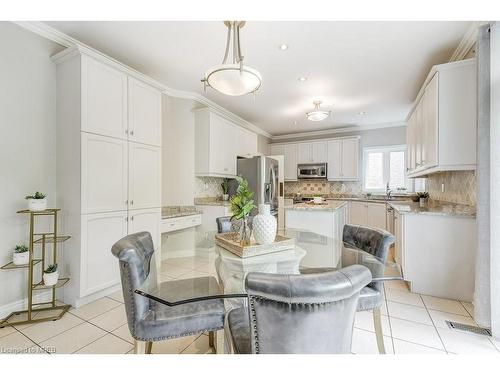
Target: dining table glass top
225,272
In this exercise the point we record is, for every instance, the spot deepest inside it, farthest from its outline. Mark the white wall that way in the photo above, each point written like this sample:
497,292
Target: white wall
27,142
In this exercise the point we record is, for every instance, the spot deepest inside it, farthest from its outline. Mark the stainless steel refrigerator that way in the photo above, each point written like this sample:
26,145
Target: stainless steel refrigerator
261,173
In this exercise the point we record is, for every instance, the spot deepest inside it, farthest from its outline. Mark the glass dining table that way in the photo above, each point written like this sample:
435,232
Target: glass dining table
224,275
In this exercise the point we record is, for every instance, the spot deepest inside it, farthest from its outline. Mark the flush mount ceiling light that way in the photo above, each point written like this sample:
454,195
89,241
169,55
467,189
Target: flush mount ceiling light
233,78
317,114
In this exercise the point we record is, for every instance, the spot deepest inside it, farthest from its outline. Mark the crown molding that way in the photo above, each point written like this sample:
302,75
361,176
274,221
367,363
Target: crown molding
75,46
468,41
348,129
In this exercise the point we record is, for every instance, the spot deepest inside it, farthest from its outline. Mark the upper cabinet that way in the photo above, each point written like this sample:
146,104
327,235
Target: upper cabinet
312,152
218,143
144,113
343,159
441,129
341,155
103,99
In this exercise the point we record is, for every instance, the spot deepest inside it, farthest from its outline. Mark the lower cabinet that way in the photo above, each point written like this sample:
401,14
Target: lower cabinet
146,221
210,213
368,214
99,268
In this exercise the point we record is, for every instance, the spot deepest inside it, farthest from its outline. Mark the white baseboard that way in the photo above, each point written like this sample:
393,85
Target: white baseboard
23,303
95,296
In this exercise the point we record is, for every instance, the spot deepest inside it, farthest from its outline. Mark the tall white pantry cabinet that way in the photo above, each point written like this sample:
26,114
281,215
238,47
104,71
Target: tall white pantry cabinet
108,166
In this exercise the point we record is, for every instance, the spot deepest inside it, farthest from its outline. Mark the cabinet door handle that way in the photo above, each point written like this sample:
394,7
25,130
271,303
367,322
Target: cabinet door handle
126,202
132,202
132,132
126,219
132,218
126,131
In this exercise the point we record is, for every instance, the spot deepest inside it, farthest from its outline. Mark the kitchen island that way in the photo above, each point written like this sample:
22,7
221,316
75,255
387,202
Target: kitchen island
327,218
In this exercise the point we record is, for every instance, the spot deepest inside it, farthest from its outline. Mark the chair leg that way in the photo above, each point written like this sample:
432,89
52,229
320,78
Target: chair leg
149,346
140,347
211,339
377,322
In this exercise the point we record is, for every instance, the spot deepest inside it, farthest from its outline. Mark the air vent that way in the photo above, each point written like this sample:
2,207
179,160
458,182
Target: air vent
469,328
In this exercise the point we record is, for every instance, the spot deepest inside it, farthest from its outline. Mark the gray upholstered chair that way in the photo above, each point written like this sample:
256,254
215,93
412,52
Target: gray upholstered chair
311,313
224,224
376,242
148,320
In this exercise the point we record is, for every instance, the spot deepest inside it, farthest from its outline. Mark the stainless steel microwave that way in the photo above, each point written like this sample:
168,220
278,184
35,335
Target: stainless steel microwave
312,171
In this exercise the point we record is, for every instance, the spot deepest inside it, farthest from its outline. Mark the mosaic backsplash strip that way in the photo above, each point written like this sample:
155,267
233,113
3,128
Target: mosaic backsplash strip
207,187
336,188
459,187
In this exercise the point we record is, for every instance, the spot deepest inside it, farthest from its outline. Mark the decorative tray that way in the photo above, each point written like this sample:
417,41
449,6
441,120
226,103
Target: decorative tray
229,241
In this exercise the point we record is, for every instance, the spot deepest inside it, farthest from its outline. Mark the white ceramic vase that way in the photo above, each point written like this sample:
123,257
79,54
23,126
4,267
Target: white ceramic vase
264,225
21,258
37,204
50,279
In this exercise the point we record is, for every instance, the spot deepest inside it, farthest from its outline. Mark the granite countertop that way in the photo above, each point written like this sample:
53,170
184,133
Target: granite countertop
169,212
326,206
373,200
211,201
435,208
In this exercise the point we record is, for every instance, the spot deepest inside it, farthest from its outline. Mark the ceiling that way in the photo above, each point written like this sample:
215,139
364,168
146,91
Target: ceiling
352,67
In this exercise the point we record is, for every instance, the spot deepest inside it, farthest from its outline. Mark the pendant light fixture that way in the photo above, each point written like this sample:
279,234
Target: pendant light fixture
317,114
232,78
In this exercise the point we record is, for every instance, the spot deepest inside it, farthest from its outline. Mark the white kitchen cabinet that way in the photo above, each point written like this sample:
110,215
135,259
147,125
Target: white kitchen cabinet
178,223
368,214
290,162
104,172
148,220
144,113
442,126
312,152
103,98
376,215
144,176
218,143
399,240
357,213
247,143
276,150
99,268
103,176
430,123
343,159
210,213
326,223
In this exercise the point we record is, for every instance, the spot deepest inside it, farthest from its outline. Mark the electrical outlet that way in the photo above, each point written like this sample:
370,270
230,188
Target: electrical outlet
442,188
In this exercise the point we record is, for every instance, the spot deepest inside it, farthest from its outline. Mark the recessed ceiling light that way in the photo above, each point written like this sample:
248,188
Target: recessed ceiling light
362,113
295,122
283,47
302,79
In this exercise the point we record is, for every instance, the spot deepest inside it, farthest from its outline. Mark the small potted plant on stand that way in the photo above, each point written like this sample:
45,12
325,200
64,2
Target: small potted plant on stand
241,207
21,255
423,198
37,202
225,189
51,275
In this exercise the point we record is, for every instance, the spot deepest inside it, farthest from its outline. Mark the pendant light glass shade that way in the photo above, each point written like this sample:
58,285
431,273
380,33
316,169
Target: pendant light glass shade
317,114
234,78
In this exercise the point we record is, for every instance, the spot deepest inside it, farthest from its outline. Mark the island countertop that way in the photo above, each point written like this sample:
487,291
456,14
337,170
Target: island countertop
437,208
325,206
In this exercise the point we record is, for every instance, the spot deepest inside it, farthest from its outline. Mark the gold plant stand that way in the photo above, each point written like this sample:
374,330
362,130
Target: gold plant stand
41,311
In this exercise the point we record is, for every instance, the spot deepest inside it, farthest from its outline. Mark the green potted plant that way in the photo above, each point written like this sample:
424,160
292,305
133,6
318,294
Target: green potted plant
423,198
225,189
51,275
37,201
241,207
21,255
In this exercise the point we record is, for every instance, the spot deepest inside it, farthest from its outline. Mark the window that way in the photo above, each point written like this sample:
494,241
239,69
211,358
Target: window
382,165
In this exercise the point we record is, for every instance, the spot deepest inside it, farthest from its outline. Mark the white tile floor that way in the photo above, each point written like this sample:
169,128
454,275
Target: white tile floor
412,323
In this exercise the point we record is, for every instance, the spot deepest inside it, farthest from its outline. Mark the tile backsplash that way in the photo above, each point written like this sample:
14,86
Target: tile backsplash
207,187
310,187
459,187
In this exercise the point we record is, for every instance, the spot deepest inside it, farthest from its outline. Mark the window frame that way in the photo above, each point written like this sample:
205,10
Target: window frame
385,150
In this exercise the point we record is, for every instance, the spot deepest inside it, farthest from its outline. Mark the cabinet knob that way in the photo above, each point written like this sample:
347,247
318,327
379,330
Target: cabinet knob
132,218
132,132
126,131
132,202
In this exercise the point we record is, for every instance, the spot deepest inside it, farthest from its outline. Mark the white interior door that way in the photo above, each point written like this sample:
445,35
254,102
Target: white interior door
104,174
104,99
350,158
334,159
144,176
99,268
144,113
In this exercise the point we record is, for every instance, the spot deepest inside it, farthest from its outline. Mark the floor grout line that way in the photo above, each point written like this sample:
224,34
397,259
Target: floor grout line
434,324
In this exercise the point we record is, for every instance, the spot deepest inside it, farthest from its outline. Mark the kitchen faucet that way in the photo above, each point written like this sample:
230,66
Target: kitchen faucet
388,191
